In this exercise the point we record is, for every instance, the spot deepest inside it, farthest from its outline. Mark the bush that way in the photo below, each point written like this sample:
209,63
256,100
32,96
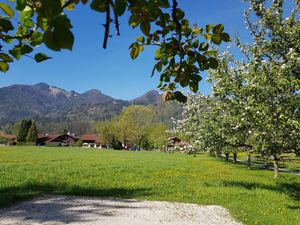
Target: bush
53,144
77,144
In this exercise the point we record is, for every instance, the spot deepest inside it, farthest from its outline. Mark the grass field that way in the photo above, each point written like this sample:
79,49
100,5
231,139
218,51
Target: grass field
251,196
288,162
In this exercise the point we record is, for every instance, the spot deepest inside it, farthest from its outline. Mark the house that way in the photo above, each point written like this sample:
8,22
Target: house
90,140
175,142
7,139
59,140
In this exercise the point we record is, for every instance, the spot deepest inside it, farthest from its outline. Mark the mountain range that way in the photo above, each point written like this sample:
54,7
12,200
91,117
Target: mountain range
46,103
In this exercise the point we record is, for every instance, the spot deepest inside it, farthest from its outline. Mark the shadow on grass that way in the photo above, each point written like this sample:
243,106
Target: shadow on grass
11,195
292,189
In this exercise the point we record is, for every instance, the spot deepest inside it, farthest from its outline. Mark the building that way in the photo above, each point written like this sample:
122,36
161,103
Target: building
59,140
7,139
90,140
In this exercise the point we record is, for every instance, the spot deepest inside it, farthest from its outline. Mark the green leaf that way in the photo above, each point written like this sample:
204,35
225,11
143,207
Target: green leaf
36,39
5,25
195,44
7,10
120,7
64,38
158,54
98,5
216,39
20,5
16,52
194,87
207,36
153,71
203,46
213,63
164,3
179,14
209,27
4,67
28,23
134,52
26,14
40,57
140,39
134,20
43,23
62,21
50,9
25,49
141,48
145,27
5,57
179,96
159,66
225,37
218,29
213,53
49,41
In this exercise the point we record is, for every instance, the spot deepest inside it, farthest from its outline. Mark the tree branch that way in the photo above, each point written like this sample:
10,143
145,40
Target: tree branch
117,25
107,25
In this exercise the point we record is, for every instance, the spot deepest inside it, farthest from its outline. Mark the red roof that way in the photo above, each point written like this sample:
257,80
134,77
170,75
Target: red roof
90,137
8,136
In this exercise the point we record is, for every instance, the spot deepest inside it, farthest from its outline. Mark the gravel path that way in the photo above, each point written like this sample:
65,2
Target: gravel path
108,211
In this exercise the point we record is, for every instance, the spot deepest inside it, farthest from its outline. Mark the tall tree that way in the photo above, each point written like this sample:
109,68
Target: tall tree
23,129
258,96
32,135
107,131
156,135
132,124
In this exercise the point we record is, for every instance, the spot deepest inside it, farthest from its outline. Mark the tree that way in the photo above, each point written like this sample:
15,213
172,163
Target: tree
107,131
132,124
32,135
258,96
23,129
183,51
156,135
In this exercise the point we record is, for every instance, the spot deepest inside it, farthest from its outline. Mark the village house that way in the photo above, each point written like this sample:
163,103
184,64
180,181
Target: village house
60,140
7,139
90,140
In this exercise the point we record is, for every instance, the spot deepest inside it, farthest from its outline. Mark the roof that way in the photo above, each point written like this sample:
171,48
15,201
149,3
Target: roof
8,136
90,137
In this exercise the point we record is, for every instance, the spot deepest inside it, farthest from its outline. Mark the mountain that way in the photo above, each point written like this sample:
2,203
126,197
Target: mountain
150,97
50,104
39,100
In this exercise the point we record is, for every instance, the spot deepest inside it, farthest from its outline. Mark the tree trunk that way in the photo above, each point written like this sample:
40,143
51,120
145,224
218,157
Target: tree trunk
211,153
248,161
226,156
219,155
234,157
276,167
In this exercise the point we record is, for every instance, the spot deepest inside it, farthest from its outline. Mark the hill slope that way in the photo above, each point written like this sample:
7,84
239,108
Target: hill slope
46,103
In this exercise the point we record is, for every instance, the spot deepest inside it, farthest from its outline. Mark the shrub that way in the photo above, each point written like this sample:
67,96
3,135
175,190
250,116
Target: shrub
53,144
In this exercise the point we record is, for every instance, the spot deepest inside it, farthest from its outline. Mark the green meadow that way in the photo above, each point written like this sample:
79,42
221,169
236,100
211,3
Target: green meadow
252,196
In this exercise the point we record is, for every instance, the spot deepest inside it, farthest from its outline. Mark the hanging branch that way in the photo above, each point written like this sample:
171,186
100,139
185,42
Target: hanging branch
107,25
116,20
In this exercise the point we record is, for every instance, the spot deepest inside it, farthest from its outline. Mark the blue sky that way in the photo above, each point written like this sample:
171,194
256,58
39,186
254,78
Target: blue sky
112,71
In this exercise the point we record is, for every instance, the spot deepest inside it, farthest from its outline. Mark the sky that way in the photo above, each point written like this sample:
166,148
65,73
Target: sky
111,70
